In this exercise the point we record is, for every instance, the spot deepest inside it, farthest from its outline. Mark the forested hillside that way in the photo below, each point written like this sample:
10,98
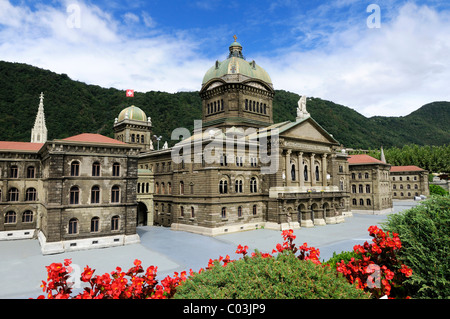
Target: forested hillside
73,107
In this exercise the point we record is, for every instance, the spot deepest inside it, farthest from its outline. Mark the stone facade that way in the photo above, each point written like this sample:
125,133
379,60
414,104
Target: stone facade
409,182
76,193
370,188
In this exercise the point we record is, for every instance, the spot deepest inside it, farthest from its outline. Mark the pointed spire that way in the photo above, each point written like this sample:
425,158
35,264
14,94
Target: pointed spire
39,130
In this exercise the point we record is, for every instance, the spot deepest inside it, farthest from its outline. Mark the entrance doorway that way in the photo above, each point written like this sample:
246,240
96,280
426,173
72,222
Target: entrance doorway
141,216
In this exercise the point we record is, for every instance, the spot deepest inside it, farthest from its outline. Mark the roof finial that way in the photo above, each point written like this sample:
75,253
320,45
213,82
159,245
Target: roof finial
235,37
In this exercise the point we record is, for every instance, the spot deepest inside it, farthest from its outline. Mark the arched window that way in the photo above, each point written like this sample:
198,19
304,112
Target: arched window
367,189
10,217
138,188
253,185
115,194
115,222
73,226
317,173
369,202
116,169
354,189
30,194
163,188
27,216
360,188
224,212
305,172
157,188
96,169
192,212
361,202
293,172
181,188
354,201
169,186
95,221
13,194
353,176
75,168
95,194
238,186
74,195
255,210
223,186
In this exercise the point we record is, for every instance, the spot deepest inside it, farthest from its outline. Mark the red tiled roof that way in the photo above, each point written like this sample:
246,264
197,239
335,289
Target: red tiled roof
93,138
20,146
363,159
408,168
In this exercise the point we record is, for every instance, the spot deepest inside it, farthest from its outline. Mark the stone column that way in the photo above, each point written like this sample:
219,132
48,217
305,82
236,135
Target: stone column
300,169
324,170
288,167
312,171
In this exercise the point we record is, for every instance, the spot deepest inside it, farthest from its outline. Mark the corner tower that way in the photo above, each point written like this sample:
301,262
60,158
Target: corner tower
236,92
132,126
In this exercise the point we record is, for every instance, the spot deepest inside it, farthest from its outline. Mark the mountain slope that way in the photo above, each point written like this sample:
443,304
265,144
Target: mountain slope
73,107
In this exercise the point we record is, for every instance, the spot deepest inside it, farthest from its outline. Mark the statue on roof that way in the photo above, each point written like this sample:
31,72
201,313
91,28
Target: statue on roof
301,108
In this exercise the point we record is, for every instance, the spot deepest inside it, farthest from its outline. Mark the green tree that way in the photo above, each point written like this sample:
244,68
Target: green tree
424,231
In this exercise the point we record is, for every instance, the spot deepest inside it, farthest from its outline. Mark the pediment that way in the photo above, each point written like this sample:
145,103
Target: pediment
308,130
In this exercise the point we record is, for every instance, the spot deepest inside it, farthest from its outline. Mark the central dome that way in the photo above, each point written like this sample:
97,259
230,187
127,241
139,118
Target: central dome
132,113
236,64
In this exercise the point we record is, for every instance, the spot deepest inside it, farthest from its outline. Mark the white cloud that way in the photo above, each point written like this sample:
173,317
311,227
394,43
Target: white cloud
388,71
100,51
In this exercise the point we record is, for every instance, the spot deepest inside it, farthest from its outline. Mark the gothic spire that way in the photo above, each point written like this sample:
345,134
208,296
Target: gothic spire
39,130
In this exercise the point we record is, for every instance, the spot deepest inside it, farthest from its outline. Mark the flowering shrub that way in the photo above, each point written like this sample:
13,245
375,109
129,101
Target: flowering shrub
378,269
117,285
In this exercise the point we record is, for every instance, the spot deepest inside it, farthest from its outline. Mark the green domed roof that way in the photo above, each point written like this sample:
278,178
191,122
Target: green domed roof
132,113
236,64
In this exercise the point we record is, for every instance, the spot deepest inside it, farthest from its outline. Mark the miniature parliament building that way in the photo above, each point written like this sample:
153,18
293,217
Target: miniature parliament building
236,171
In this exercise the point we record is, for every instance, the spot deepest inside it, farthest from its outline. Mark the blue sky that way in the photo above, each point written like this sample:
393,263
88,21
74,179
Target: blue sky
323,49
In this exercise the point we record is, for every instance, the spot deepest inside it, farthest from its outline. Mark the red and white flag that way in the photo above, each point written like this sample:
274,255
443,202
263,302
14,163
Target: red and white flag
130,93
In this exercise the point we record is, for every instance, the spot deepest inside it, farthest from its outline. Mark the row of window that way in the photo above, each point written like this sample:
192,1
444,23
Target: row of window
13,195
214,107
400,178
361,189
143,188
223,211
73,226
305,173
408,186
255,106
366,175
75,169
74,197
238,186
11,217
402,194
361,202
14,172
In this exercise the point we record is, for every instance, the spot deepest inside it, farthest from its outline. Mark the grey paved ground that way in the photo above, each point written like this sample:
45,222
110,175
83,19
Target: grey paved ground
22,267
